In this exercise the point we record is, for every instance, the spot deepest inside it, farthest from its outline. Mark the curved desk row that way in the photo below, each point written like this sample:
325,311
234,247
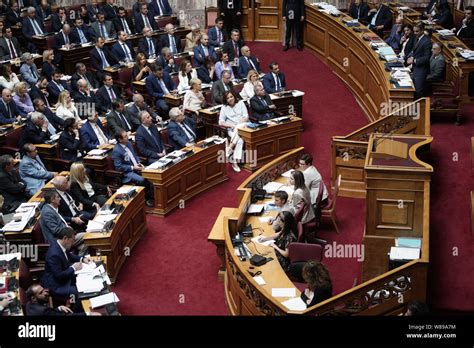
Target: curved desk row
353,60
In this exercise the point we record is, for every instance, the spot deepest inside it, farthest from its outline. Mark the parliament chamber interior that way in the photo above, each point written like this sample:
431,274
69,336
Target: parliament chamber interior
236,157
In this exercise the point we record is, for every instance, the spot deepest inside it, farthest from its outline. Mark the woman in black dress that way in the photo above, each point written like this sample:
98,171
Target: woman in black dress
319,283
140,70
48,64
69,142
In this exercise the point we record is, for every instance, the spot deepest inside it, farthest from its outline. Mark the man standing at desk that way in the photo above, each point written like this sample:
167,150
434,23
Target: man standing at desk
181,131
293,16
419,59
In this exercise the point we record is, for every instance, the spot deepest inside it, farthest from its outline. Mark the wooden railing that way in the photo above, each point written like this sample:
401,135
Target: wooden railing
348,152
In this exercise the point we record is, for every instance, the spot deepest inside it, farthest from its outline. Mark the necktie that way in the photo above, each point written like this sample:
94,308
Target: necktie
226,88
33,72
9,110
103,31
236,50
71,204
125,26
105,63
154,139
12,49
146,21
251,63
100,135
127,52
189,133
151,48
163,87
206,51
125,123
278,83
36,27
112,94
264,102
160,7
132,157
82,36
219,37
60,87
66,39
172,44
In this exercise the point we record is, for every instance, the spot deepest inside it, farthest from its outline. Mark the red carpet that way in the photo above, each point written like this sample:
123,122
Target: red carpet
173,269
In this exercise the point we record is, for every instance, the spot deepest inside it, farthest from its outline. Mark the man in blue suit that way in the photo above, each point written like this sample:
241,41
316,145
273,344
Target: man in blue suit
247,62
32,26
28,70
159,84
217,36
148,139
63,39
32,170
92,133
123,50
359,10
80,33
8,110
274,81
160,8
60,267
181,131
380,18
145,19
419,58
148,45
126,161
56,86
204,50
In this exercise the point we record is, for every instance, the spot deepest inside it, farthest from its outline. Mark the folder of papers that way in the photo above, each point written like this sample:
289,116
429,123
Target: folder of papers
255,209
400,253
97,152
284,292
103,300
272,186
295,304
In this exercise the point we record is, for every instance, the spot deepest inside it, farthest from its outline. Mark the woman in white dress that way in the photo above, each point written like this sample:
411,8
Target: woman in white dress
232,115
8,78
194,99
65,107
248,91
186,74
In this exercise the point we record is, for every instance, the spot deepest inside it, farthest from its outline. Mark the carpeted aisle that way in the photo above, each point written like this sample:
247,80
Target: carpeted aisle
173,269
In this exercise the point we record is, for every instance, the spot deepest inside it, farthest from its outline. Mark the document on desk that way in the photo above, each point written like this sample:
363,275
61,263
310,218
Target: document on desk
97,152
284,292
295,304
266,243
272,186
264,219
103,300
86,284
288,173
399,253
255,208
259,280
125,190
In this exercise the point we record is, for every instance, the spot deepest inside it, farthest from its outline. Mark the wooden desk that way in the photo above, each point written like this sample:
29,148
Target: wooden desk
4,135
351,58
47,152
265,144
129,226
99,163
184,180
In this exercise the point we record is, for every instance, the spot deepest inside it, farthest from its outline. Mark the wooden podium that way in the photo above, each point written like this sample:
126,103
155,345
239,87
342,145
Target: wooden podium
397,200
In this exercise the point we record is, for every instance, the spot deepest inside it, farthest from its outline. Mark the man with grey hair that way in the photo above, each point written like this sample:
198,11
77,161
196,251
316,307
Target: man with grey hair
170,40
31,27
92,133
193,38
138,105
8,111
85,99
166,61
181,129
437,64
148,139
261,104
36,130
28,70
221,86
32,170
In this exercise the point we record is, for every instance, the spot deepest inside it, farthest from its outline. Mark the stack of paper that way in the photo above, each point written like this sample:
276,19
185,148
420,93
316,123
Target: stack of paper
97,152
272,187
288,173
295,304
124,190
445,32
408,242
103,300
467,54
284,292
255,209
266,243
24,213
399,253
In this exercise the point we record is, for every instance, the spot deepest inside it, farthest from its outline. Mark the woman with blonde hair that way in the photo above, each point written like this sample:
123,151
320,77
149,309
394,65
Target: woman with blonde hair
65,107
194,99
141,69
85,191
22,99
48,66
248,91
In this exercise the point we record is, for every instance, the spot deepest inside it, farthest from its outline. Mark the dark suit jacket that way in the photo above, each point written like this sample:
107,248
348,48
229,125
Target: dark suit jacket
229,49
27,28
176,134
148,147
409,46
133,111
59,40
56,121
117,21
154,10
96,61
12,188
360,12
109,28
13,18
81,196
467,32
68,146
218,91
269,82
103,99
444,18
297,6
36,93
48,70
34,135
109,11
432,3
212,33
54,91
119,53
139,24
154,88
143,46
260,111
121,161
245,67
422,54
56,23
89,100
88,137
92,11
165,42
115,123
58,271
5,50
75,37
384,18
200,57
222,5
43,13
36,309
89,76
437,67
4,115
203,74
166,67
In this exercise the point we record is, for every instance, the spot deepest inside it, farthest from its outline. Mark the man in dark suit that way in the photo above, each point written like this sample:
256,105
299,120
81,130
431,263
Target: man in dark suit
430,9
247,62
122,23
148,45
138,105
437,64
103,28
466,30
359,10
293,15
63,39
109,10
54,120
13,15
9,46
126,161
160,8
92,133
93,9
380,18
123,50
12,188
170,40
231,11
159,84
101,58
106,95
59,19
36,130
85,99
56,86
217,36
119,118
220,87
262,105
32,26
82,73
166,61
181,129
59,273
148,139
8,110
145,19
80,33
43,10
136,6
204,50
274,81
233,46
419,58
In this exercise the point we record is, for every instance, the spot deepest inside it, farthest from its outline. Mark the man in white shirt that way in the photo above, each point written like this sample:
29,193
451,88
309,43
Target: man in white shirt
93,135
